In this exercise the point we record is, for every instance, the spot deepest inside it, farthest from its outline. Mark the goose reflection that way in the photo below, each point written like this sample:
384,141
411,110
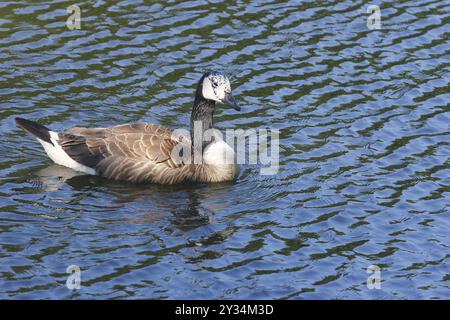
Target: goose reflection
53,177
186,206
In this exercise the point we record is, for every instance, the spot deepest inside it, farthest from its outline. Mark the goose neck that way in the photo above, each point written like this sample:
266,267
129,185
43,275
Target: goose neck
201,118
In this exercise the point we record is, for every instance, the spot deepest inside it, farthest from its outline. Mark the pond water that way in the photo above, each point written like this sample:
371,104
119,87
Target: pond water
364,176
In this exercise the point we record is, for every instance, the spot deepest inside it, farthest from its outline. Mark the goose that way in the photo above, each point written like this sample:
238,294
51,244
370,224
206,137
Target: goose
149,153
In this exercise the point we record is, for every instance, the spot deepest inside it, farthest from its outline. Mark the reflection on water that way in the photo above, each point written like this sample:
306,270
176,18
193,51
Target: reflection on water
364,165
53,177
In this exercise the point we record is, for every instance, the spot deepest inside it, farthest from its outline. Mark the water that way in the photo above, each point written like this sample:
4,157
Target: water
364,160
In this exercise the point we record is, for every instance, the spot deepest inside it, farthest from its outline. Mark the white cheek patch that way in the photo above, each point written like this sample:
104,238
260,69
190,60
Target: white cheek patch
215,87
208,91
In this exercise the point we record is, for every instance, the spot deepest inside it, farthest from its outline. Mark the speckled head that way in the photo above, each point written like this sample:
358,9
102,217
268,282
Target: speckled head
216,87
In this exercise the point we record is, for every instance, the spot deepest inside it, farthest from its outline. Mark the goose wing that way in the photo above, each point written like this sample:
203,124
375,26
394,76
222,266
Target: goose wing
133,152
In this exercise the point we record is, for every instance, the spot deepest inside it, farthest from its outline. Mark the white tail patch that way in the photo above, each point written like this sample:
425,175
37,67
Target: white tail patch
59,156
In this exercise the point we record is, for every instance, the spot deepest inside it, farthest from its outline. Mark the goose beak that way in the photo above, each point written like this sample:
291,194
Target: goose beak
229,101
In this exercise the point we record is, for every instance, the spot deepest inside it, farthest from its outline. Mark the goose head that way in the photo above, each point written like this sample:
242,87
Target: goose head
215,86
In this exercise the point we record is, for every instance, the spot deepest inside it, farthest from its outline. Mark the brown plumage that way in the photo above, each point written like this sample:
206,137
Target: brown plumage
142,152
137,152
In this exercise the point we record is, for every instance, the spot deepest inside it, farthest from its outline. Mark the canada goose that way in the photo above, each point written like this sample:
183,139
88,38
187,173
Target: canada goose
149,153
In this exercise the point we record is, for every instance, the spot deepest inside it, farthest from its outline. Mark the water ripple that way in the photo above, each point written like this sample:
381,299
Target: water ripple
364,155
